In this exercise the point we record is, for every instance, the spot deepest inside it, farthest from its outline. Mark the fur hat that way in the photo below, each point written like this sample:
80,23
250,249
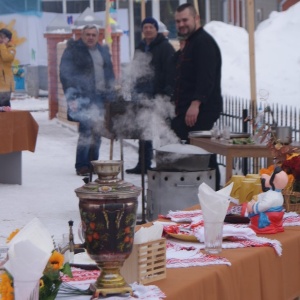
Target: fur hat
150,20
6,32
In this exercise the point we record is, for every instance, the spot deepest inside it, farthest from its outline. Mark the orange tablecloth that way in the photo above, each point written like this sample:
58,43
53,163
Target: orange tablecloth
255,273
18,131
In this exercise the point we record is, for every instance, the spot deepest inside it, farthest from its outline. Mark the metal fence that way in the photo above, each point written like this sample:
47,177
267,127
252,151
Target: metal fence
235,110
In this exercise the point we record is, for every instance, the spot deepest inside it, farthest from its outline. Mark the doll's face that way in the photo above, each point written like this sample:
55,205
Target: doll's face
3,39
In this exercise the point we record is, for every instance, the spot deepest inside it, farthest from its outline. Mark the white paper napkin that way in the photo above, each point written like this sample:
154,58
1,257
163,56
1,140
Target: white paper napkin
29,252
214,204
148,234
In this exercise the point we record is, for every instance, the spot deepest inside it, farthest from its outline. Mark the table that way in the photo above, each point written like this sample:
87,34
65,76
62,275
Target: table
255,273
231,151
18,132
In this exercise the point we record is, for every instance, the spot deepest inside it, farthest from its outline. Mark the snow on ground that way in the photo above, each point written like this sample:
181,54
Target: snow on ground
49,178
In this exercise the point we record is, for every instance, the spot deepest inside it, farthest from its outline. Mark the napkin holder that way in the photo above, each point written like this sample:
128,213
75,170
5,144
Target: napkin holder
146,263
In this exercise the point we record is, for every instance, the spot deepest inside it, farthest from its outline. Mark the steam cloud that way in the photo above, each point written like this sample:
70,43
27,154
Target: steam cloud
150,120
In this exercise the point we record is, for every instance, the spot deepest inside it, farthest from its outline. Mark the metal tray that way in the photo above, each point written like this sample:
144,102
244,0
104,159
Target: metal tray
207,134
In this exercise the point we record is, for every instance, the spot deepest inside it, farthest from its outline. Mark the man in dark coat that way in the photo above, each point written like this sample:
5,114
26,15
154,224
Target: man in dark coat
153,80
87,77
197,89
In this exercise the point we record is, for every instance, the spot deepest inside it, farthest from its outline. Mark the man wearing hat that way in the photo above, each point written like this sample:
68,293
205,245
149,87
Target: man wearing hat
152,79
7,56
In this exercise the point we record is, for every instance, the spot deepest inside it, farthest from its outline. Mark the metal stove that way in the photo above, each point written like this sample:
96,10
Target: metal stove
175,190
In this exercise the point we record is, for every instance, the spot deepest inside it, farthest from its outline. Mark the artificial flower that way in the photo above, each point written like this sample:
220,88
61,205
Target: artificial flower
292,166
12,235
51,279
6,287
56,260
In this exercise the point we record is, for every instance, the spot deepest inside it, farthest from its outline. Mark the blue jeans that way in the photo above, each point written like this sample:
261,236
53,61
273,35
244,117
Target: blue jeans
89,140
88,146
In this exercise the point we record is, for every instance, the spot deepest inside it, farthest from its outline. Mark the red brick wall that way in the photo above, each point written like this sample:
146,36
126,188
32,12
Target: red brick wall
52,40
288,3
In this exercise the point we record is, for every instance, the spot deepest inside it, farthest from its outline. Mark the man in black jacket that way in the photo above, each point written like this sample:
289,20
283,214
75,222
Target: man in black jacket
153,80
87,77
197,83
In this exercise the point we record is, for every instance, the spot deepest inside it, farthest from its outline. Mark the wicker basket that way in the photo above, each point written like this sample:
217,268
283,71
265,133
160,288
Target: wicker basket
291,200
146,263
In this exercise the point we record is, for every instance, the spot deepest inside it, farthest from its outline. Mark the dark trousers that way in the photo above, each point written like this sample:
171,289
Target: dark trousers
88,146
148,154
182,131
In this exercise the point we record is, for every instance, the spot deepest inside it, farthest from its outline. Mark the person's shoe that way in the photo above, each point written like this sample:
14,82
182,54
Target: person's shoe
84,171
135,170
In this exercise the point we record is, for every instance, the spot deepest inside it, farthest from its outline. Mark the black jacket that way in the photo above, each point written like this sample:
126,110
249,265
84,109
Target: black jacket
155,82
78,77
77,68
198,75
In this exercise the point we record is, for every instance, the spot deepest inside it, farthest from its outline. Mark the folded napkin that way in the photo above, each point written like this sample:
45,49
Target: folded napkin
183,216
148,234
228,230
29,252
214,204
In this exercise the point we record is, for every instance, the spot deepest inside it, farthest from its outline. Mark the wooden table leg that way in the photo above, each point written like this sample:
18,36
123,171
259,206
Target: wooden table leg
229,161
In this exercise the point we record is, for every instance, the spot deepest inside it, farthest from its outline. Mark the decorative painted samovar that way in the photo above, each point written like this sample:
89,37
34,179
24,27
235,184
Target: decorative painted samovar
108,209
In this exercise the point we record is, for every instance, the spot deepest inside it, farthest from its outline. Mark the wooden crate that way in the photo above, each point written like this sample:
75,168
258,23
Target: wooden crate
146,263
291,201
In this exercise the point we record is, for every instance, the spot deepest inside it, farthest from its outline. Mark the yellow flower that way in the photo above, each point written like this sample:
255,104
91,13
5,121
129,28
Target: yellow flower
12,235
56,260
42,284
292,155
6,289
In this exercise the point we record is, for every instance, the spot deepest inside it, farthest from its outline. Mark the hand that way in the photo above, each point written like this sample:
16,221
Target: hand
73,105
192,113
250,205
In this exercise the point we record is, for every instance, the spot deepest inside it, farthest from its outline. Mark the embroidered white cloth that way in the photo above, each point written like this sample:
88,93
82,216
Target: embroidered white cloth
291,219
83,278
228,230
189,255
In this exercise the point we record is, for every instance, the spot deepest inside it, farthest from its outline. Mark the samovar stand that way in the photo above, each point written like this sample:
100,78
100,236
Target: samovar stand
108,291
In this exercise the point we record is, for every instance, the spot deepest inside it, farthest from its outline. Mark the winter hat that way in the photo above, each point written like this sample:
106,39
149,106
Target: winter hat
150,20
6,32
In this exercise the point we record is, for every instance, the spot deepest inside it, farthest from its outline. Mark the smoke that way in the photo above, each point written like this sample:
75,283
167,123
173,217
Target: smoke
142,118
147,120
138,68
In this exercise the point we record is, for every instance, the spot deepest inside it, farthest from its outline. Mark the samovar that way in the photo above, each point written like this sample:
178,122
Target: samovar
108,209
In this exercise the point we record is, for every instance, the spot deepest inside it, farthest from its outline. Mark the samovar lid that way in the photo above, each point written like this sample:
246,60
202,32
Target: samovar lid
107,185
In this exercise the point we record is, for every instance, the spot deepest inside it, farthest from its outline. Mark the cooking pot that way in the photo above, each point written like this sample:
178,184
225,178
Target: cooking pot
284,134
180,157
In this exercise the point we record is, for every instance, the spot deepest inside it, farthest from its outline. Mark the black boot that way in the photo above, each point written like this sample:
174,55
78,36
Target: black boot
148,155
136,170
